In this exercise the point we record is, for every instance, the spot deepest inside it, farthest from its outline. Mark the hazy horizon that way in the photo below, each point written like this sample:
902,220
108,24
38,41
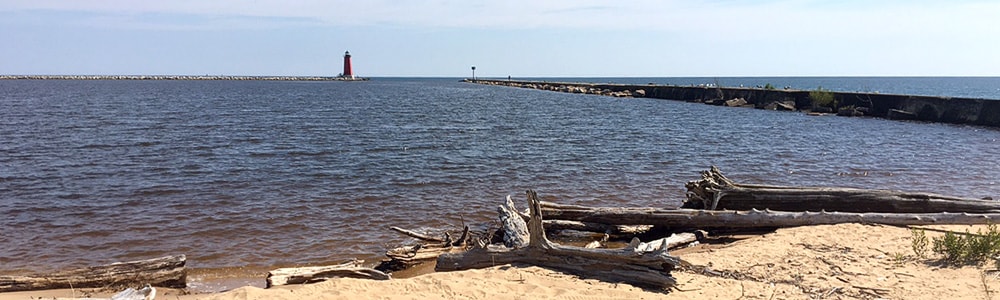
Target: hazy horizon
524,77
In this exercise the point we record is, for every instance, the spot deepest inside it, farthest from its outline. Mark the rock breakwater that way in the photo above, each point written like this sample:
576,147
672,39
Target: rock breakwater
575,88
985,112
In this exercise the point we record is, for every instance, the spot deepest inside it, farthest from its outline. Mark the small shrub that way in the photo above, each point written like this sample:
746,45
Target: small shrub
898,259
769,87
822,98
952,246
969,248
919,242
984,245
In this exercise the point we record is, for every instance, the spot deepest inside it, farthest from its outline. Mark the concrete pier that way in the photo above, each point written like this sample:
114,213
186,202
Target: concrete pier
984,112
180,77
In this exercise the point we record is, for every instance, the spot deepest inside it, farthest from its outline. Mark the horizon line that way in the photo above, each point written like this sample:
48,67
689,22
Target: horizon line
7,76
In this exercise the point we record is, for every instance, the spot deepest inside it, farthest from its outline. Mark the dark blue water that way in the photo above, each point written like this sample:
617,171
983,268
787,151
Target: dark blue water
248,175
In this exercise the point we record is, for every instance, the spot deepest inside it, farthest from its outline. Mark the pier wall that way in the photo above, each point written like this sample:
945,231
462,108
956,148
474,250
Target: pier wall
985,112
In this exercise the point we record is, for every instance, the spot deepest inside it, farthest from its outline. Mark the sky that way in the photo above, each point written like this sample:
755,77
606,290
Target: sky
519,38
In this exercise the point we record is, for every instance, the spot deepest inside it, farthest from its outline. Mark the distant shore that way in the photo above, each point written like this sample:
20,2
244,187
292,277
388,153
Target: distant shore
179,77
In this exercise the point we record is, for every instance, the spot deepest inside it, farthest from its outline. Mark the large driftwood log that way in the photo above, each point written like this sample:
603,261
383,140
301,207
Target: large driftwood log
693,218
644,268
715,192
301,275
556,225
164,272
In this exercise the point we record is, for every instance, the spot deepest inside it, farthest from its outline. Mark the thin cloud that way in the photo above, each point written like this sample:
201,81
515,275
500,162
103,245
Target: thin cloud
704,17
581,9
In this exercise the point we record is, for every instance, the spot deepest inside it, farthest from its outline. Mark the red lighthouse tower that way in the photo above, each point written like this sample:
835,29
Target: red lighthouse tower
348,71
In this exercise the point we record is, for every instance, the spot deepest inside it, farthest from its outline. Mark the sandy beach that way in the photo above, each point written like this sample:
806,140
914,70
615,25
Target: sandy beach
847,261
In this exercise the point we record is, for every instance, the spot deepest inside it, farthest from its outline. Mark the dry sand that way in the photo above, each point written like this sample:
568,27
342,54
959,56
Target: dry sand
847,261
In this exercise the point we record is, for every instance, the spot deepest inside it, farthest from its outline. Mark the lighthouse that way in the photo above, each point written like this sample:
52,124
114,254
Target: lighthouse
348,71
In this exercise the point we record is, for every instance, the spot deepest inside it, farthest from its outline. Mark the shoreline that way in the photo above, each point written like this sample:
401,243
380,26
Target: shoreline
181,77
844,261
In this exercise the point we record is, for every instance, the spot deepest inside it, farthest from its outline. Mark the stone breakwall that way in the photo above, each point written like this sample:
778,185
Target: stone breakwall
179,77
984,112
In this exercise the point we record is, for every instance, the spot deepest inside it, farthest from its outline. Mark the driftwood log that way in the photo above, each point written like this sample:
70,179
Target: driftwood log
146,293
649,268
673,241
163,272
716,192
715,219
418,235
555,225
407,256
302,275
513,232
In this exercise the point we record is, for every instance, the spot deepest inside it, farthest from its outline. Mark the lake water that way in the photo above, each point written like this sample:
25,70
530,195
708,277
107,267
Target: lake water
244,176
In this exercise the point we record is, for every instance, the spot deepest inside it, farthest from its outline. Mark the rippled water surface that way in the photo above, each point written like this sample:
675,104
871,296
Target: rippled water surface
260,174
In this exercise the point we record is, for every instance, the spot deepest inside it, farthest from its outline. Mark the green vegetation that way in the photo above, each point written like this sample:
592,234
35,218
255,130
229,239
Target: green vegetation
898,259
822,98
769,86
962,249
919,243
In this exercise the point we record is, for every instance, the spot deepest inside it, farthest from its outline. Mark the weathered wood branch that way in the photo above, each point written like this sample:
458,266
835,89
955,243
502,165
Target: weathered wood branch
412,255
407,256
693,218
715,192
417,235
631,265
301,275
145,293
673,241
164,272
553,225
462,239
